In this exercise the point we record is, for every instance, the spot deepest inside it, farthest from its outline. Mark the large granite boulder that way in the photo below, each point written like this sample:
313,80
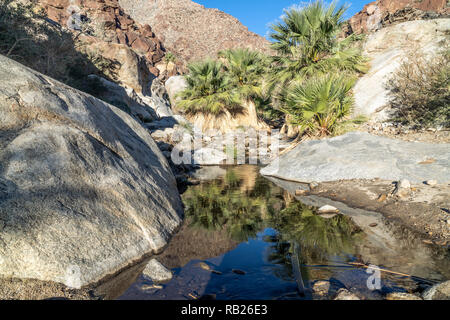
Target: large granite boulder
359,155
387,49
84,190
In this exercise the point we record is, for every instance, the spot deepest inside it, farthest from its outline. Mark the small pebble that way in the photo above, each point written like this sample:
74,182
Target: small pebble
373,225
313,185
431,182
328,209
301,192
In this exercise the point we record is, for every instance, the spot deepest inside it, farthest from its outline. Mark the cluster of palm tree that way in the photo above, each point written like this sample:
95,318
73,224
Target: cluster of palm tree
230,83
309,78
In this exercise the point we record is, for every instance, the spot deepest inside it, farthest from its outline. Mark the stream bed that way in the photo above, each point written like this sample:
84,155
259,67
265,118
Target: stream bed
247,237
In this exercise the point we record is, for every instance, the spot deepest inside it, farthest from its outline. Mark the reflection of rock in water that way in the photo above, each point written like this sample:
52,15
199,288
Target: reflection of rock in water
195,244
387,245
109,288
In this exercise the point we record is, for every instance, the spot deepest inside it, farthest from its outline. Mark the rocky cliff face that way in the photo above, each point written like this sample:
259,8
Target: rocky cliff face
190,30
380,13
107,29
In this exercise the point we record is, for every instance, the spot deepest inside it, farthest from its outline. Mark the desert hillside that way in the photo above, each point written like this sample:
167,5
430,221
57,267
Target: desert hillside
190,30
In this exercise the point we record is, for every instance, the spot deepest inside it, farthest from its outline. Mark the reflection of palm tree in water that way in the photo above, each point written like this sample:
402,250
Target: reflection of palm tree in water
307,238
243,204
237,203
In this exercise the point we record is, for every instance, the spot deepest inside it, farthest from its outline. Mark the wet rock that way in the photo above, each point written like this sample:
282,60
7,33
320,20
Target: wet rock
344,294
402,296
239,272
321,287
157,272
204,266
438,292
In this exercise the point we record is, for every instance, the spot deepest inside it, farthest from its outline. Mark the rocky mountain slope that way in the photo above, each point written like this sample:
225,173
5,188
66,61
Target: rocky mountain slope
380,13
108,30
190,30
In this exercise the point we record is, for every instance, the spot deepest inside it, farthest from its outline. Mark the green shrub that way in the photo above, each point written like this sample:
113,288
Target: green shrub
308,52
170,57
420,91
208,90
319,104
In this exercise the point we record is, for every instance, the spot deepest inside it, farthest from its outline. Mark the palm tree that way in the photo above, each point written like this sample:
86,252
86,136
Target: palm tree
246,70
208,90
319,103
226,92
306,42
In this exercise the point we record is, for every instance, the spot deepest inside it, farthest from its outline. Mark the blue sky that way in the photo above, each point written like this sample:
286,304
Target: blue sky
257,14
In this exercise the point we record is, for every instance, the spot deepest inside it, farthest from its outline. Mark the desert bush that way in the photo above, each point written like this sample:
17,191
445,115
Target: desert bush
170,57
420,91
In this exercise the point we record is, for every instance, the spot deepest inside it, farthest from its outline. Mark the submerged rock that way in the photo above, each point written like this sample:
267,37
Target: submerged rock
344,294
321,287
402,296
84,189
359,155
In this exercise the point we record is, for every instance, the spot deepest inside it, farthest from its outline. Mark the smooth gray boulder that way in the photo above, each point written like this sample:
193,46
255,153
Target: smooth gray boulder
175,85
359,155
84,189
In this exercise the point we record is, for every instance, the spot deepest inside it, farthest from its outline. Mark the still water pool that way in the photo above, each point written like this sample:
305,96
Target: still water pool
247,237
